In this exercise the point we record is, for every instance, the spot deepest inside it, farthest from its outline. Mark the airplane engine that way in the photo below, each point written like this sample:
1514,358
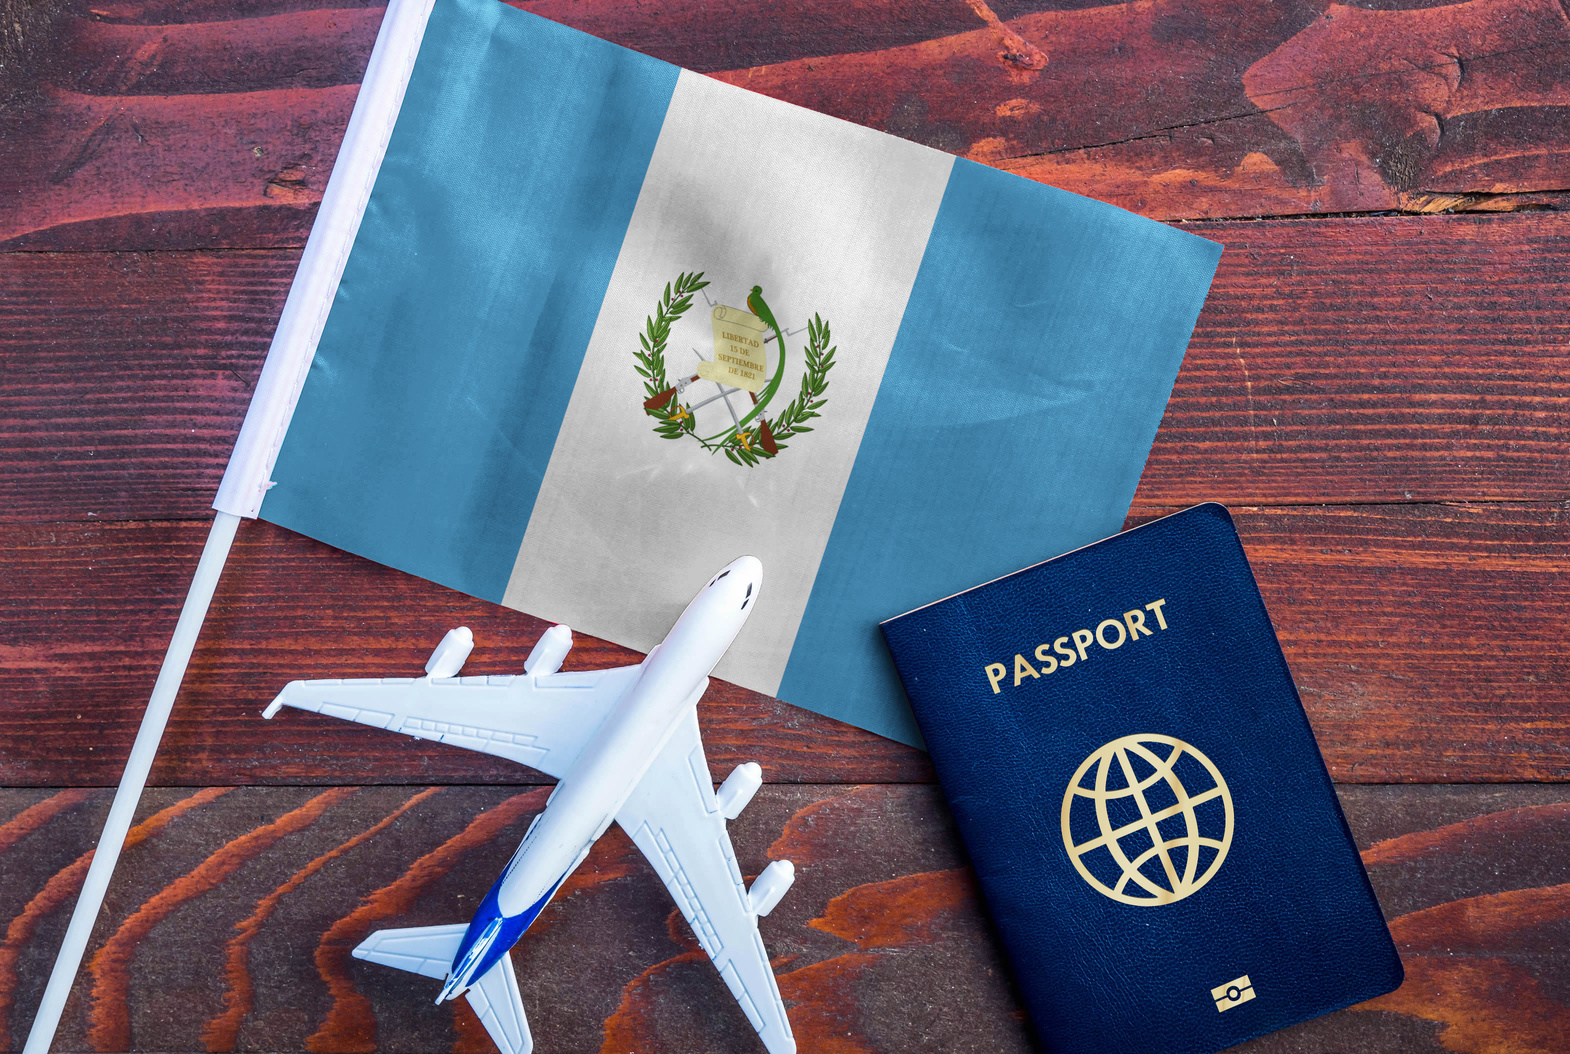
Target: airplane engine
451,653
738,789
549,651
769,888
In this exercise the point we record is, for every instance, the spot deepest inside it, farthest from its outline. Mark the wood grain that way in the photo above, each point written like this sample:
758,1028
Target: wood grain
126,376
1389,359
1382,399
884,948
1381,359
21,953
1424,641
1214,117
1412,631
151,125
291,608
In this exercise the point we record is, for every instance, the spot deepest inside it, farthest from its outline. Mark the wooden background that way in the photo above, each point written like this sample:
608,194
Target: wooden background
1378,386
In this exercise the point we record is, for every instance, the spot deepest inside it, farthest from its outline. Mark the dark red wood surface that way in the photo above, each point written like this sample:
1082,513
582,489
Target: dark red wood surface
1379,385
234,910
215,123
1423,637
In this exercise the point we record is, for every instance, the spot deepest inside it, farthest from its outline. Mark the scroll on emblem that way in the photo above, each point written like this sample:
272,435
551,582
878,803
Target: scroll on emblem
738,350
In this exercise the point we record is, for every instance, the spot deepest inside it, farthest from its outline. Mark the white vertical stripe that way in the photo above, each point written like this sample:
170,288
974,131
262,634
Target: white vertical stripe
830,219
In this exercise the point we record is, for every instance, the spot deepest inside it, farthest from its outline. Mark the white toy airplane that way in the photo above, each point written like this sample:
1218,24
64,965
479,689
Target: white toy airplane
624,746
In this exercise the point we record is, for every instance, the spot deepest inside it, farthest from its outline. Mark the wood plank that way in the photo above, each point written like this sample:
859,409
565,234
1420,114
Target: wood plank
229,923
707,36
145,126
90,608
1424,641
155,170
127,376
219,46
321,47
1422,637
1363,107
1381,359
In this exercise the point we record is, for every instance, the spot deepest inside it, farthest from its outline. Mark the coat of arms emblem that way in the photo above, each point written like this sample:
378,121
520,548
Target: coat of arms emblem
740,367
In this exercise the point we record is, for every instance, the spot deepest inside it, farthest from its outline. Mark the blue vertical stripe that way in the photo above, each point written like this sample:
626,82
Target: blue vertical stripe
1031,369
432,406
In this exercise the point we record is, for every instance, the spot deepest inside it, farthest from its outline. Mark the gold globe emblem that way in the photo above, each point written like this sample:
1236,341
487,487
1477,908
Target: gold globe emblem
1147,820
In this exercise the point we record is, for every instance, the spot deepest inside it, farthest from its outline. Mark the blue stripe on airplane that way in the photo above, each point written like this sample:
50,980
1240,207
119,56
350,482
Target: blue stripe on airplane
511,929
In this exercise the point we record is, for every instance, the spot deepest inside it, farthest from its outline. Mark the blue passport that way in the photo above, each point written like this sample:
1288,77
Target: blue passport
1130,767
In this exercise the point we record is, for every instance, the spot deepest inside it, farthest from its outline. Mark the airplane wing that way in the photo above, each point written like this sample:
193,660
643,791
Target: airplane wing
675,819
539,721
429,951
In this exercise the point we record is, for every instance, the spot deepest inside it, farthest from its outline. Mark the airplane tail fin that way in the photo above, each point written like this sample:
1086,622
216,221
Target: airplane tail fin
429,951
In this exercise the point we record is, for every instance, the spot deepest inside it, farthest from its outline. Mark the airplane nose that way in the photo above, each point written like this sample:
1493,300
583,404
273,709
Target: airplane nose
748,567
744,570
747,575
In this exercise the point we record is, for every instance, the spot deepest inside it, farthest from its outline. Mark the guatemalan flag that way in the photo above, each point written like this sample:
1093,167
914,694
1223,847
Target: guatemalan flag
574,327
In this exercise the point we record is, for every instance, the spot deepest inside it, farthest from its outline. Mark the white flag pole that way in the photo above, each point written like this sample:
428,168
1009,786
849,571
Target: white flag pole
214,553
247,477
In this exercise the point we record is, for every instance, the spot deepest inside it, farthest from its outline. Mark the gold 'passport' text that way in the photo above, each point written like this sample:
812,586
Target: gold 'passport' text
1063,652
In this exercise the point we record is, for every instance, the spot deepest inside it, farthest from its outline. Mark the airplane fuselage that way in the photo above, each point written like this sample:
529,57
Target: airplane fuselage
671,681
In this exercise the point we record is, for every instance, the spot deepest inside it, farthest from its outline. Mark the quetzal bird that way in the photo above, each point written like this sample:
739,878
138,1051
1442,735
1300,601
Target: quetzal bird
758,306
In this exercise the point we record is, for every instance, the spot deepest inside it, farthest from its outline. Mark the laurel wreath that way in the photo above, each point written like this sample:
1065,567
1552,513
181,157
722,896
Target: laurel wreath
651,359
674,418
